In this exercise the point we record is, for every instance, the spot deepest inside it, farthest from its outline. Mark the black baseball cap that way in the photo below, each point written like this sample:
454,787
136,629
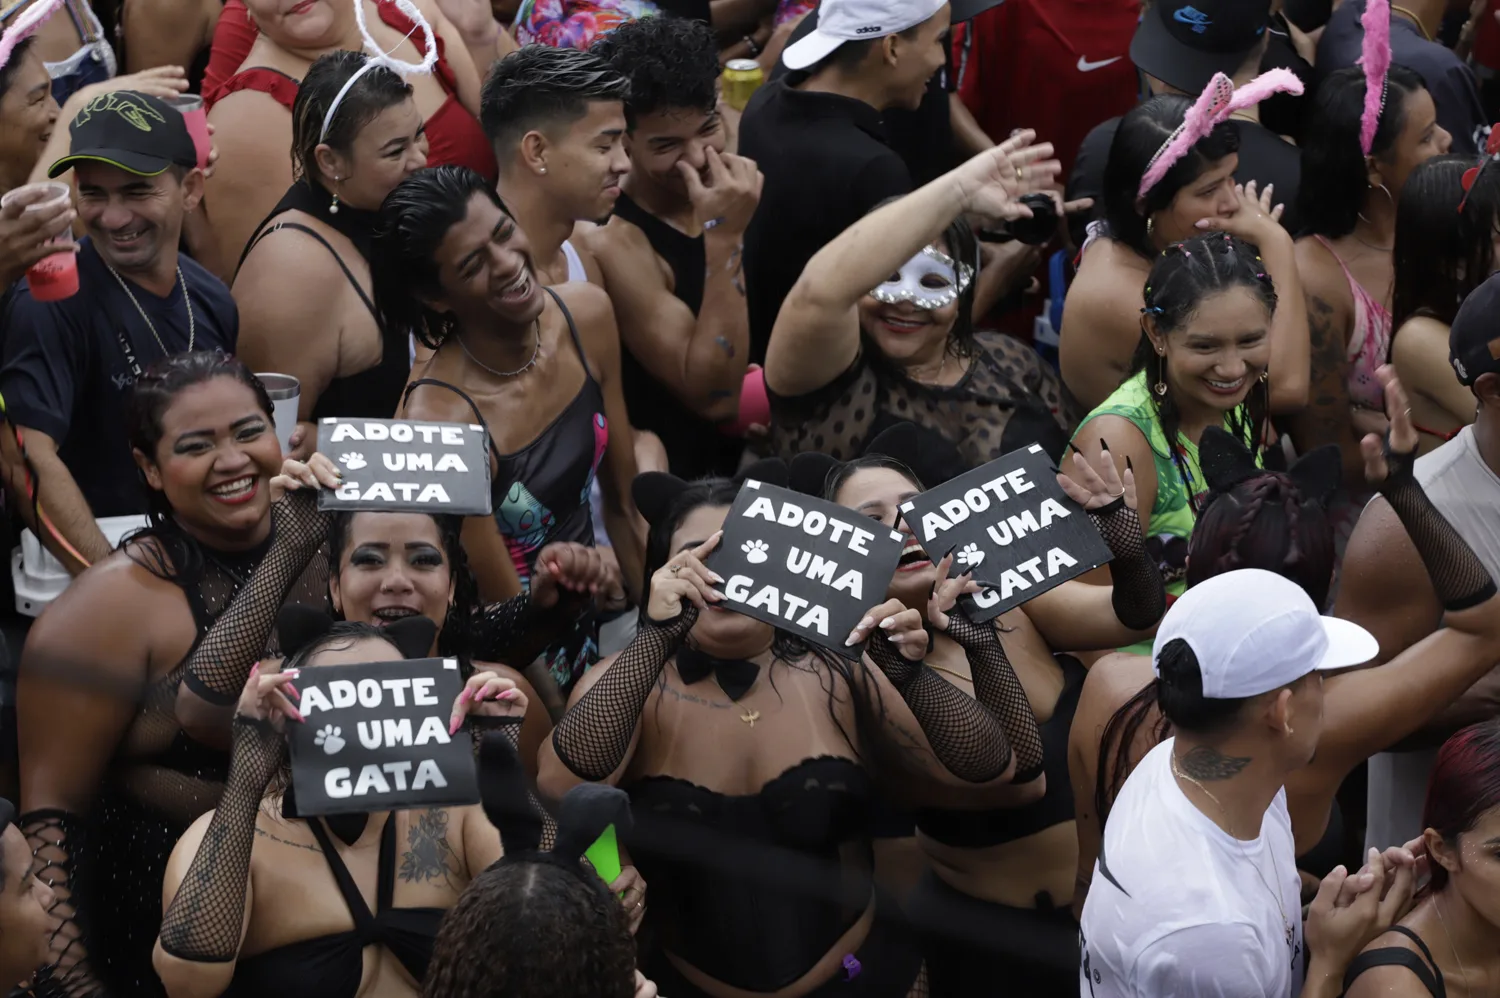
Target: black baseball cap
133,131
1474,337
1183,43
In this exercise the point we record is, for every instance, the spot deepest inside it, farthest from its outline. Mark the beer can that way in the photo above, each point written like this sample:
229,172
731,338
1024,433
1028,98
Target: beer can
740,80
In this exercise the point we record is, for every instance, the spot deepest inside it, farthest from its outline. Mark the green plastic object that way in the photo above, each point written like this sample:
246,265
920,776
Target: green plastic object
604,854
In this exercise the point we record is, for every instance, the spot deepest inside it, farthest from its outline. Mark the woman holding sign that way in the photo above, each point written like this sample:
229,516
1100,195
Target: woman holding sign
999,879
1203,360
261,902
539,367
109,779
751,756
878,331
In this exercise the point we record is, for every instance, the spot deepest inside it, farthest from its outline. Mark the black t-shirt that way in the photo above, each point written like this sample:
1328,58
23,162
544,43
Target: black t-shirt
1265,157
826,163
66,372
1449,81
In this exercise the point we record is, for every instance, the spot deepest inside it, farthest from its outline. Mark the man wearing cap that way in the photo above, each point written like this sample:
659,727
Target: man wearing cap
68,364
1414,28
1384,587
1196,890
1179,46
820,141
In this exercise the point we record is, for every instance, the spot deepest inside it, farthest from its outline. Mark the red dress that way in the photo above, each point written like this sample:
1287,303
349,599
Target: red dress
454,137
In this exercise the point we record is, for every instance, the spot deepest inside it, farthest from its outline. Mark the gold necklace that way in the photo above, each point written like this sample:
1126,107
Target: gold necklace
1414,19
192,325
535,353
950,672
1438,907
1275,867
937,378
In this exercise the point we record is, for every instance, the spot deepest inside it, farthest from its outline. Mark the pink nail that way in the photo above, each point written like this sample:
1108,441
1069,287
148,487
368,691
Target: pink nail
292,690
510,694
464,696
453,725
255,670
298,714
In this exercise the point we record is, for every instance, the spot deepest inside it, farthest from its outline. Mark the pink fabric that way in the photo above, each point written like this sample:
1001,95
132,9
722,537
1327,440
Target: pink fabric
1376,60
1369,345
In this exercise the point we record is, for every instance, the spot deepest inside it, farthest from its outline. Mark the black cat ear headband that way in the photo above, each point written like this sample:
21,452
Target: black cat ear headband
298,626
587,810
656,491
929,455
1226,462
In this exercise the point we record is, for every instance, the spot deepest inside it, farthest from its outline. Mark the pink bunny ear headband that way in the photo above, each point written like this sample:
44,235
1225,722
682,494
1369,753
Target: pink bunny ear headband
1213,107
25,26
379,58
1376,61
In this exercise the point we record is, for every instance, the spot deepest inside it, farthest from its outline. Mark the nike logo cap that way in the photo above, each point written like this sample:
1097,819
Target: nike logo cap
1184,43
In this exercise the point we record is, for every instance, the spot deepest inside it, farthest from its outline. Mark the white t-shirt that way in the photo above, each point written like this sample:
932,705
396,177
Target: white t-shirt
1178,906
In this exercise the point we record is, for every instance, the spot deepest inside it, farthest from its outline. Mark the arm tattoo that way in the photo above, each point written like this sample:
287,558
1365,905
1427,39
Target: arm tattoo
1204,763
737,274
724,344
429,856
1327,407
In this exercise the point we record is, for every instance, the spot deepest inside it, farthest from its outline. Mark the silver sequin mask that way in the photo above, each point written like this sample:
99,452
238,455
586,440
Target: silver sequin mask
928,280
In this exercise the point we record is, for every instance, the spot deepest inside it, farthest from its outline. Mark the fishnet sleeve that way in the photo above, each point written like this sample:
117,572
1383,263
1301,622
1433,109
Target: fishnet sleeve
509,728
1138,596
997,687
220,665
1459,579
965,736
204,921
594,735
516,631
59,846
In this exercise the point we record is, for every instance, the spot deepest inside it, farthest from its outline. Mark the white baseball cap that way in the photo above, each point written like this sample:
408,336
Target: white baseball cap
1254,631
841,21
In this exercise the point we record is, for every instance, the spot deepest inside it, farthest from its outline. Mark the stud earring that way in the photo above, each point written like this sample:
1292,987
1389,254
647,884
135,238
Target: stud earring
333,208
543,171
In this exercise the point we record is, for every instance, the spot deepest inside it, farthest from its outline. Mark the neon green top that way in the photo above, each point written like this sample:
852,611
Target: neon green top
1172,516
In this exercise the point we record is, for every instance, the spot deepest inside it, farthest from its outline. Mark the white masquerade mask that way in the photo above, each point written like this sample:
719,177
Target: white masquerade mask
928,280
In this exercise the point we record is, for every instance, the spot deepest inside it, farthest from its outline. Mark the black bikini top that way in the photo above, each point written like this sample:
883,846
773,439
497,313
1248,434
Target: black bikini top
332,966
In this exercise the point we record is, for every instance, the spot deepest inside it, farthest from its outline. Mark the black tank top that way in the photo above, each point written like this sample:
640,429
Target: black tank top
695,447
541,494
332,966
1395,956
374,392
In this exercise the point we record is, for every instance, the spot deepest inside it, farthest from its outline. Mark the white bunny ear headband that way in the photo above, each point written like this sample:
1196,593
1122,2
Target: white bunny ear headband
25,26
379,58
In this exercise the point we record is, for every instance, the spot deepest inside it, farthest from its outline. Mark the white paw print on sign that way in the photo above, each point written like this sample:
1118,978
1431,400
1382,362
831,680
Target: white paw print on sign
755,551
352,461
330,738
970,556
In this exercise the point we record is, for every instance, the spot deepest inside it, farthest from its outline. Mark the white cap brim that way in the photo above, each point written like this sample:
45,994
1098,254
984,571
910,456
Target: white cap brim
1348,645
810,50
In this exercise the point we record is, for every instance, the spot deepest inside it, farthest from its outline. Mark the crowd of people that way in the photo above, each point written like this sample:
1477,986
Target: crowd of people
1231,267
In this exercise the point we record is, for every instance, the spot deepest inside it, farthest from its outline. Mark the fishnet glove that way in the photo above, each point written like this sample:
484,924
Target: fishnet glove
59,844
1459,579
594,735
509,728
220,665
997,687
966,737
205,919
1138,596
517,631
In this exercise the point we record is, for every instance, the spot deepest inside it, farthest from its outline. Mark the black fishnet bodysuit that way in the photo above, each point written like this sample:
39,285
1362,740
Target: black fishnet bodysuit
1007,399
107,866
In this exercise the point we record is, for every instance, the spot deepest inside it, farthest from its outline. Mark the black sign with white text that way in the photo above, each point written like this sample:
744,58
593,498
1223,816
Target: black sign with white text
805,565
1012,526
405,466
376,738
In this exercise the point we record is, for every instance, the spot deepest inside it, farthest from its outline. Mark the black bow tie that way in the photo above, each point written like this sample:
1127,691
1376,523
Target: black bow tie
347,828
734,675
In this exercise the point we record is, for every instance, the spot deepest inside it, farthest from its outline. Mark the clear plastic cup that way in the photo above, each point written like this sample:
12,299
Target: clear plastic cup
196,116
55,276
285,392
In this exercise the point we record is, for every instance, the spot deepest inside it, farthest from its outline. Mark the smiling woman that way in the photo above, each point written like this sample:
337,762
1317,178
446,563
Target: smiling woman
107,794
27,114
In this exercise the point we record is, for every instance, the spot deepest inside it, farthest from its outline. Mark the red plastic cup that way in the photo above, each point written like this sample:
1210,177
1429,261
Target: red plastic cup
196,116
55,276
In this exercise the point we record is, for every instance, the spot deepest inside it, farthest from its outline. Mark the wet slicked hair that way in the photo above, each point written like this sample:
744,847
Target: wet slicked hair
539,87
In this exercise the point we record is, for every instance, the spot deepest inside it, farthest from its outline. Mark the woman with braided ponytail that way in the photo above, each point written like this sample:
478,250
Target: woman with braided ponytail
1256,519
1203,360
